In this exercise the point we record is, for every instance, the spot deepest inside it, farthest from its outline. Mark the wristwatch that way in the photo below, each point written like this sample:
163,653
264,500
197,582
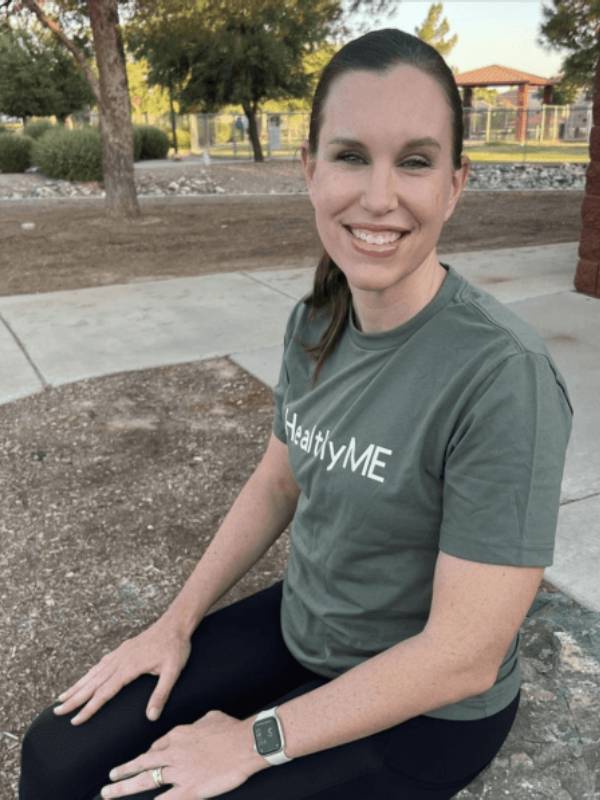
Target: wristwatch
268,737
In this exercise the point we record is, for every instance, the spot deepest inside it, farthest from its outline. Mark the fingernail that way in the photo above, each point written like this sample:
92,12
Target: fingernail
113,774
153,713
62,696
58,708
75,720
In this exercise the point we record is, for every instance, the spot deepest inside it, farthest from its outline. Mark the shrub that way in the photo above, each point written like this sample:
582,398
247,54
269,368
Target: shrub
15,152
4,129
37,129
72,155
155,143
138,139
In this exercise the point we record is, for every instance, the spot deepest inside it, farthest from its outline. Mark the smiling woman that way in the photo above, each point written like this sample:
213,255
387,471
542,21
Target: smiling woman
418,447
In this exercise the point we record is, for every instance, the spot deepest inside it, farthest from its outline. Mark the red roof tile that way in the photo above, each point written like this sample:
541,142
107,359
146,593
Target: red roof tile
497,75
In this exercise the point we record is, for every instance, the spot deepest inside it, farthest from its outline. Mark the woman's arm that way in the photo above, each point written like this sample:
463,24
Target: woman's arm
261,512
476,611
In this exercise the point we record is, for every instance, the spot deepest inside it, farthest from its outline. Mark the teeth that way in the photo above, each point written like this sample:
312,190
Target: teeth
375,238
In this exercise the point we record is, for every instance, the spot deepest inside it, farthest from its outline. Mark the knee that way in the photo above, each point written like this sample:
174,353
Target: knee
46,757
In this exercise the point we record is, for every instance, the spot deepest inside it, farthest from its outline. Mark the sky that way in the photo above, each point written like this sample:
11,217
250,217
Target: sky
489,32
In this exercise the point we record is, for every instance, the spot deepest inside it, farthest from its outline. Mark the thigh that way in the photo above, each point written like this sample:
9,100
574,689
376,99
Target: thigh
238,661
439,755
422,758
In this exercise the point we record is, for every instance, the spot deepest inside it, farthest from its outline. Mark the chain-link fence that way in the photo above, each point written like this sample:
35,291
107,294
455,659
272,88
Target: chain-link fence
546,125
281,134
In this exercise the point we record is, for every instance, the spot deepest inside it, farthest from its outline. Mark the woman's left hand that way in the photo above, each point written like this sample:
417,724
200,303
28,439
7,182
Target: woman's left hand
207,758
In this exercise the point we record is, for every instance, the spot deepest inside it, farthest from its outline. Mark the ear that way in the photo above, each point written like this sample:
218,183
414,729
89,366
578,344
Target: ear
459,180
308,164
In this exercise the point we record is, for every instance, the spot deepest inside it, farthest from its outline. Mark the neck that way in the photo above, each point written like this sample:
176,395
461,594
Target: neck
375,314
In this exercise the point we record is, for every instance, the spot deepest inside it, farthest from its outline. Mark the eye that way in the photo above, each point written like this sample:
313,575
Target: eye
346,156
416,162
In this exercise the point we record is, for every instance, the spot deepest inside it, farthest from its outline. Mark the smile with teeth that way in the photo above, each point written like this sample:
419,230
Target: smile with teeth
380,239
385,237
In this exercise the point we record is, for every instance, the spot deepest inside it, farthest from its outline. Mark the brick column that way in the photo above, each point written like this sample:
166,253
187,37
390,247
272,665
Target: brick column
587,275
522,103
467,103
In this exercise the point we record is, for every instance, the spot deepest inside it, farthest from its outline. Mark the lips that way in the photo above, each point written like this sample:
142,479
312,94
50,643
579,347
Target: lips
375,250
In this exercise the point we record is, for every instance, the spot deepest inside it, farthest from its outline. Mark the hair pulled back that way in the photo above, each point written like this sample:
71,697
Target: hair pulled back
376,51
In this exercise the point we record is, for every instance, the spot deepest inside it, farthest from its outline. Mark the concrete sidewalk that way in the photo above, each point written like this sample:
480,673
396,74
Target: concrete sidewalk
61,337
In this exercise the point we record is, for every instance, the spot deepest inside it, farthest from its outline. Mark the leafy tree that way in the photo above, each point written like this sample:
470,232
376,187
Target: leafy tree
145,98
574,26
37,78
71,25
433,30
26,87
233,52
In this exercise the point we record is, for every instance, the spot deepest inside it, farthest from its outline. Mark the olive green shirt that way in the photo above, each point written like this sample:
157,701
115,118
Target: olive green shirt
447,433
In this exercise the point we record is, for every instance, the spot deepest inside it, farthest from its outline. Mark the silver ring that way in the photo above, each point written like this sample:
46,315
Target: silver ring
157,777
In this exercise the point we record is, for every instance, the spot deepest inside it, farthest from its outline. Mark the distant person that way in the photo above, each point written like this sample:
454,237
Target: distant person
239,124
418,448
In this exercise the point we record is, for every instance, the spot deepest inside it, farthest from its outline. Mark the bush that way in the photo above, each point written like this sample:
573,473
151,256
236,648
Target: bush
138,139
4,129
155,143
72,155
15,152
37,129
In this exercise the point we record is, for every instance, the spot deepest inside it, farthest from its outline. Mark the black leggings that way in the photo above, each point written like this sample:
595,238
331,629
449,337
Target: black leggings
239,664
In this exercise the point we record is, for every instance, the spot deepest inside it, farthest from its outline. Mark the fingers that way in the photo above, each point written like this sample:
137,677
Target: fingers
82,681
138,783
96,695
161,693
83,694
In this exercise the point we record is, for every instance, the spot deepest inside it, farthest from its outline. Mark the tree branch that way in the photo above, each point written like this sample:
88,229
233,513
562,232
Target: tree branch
53,26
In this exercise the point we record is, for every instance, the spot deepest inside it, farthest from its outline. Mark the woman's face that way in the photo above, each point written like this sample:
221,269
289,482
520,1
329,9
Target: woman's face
384,177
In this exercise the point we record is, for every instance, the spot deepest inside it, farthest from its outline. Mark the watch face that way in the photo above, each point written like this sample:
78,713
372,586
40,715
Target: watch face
266,735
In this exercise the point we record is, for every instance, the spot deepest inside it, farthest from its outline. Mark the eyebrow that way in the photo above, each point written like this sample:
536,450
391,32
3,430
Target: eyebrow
426,141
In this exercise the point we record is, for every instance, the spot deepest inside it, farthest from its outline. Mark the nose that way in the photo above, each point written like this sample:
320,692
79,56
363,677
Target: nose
380,193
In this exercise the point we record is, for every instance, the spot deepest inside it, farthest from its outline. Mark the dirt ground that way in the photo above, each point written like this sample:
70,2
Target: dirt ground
113,487
75,245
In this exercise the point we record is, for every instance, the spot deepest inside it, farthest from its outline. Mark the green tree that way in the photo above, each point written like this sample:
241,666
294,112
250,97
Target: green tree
71,24
434,30
233,52
26,88
574,26
72,91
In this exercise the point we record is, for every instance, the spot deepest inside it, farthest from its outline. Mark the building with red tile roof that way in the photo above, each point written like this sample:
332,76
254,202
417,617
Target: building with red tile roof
499,75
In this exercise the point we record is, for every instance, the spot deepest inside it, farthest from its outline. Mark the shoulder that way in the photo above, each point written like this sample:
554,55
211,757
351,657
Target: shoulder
494,342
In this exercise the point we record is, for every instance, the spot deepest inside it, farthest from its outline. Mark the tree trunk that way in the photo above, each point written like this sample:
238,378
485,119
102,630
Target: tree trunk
173,118
115,110
250,112
587,276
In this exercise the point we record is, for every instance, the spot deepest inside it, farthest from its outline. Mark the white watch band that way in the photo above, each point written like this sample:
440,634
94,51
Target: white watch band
279,757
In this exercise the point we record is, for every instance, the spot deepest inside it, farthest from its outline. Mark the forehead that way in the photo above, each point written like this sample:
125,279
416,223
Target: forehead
401,102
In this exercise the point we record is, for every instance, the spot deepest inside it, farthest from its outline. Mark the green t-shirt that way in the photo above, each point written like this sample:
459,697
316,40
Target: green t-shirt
447,433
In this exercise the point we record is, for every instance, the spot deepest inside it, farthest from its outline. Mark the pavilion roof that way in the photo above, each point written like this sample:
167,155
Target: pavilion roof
498,75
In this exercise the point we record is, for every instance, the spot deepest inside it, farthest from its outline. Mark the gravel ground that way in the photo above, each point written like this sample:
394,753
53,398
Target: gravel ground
191,177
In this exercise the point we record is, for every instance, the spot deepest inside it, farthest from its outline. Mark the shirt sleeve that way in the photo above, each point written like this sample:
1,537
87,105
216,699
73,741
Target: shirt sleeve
283,381
504,465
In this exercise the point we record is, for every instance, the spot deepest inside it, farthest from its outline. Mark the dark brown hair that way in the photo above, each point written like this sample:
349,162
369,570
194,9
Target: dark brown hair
376,51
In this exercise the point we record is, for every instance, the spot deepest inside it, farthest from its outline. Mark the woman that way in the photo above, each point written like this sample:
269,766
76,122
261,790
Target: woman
418,445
